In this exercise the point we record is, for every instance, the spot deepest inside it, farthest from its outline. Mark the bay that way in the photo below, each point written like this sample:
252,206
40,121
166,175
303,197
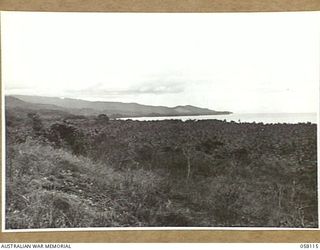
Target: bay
266,118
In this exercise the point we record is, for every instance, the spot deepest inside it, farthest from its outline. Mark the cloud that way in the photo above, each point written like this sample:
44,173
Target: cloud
151,86
158,87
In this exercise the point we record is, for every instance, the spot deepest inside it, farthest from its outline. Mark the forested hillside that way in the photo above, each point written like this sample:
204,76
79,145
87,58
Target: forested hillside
113,109
78,171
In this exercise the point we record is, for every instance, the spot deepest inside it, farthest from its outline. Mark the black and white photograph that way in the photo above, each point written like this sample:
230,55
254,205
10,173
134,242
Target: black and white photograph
160,120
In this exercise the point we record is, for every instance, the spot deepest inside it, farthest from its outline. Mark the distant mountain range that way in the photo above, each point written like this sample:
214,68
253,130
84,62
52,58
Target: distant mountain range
112,109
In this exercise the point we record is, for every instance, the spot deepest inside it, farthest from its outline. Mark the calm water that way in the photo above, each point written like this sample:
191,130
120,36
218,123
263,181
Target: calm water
265,118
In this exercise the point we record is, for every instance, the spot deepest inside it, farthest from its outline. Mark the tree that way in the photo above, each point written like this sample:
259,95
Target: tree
102,118
36,123
61,134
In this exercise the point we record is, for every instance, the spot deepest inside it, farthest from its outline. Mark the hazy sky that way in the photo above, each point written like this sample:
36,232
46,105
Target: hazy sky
258,62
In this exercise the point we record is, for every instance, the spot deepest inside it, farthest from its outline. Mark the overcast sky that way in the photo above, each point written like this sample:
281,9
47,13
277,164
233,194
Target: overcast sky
258,62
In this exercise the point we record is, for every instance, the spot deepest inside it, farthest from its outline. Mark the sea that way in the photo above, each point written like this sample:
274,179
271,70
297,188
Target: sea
267,118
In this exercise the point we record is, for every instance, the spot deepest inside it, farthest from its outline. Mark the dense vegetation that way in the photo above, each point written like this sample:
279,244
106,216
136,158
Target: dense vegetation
77,171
